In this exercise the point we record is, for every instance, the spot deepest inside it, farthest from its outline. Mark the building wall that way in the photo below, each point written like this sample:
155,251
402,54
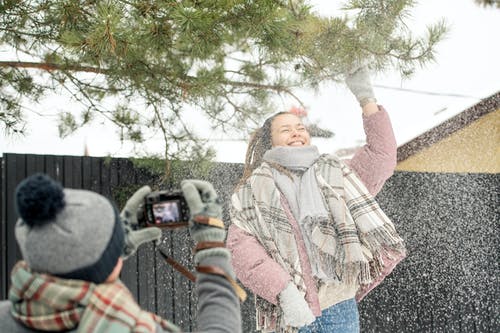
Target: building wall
475,148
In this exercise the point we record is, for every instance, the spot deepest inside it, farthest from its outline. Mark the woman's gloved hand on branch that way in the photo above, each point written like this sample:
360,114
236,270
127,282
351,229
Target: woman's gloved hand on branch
358,81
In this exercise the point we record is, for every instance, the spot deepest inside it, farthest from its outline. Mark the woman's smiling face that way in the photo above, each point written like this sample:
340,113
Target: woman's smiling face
288,130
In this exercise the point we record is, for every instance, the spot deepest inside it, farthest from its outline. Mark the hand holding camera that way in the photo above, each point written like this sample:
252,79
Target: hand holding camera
197,203
208,231
129,216
205,226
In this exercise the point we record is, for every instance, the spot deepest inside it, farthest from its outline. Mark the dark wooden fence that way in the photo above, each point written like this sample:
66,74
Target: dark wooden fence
448,283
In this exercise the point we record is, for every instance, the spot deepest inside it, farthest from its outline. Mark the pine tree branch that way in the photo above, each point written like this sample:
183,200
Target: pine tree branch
46,66
23,33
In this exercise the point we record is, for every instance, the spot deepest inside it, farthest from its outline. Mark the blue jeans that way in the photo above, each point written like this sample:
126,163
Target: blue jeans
342,317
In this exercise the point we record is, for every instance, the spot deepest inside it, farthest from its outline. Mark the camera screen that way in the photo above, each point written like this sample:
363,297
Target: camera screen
166,211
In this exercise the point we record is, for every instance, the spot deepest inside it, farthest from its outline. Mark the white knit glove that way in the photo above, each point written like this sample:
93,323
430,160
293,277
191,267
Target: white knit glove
360,85
296,311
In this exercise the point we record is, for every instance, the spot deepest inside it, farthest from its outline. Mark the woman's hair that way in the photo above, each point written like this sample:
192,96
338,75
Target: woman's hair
260,142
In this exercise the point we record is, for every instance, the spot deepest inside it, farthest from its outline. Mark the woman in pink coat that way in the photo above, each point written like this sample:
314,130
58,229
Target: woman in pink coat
307,237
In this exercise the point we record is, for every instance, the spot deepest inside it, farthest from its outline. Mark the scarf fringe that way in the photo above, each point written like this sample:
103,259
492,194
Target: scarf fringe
269,318
357,273
383,240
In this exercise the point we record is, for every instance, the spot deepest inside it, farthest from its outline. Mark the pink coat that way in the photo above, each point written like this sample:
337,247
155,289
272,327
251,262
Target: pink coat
374,163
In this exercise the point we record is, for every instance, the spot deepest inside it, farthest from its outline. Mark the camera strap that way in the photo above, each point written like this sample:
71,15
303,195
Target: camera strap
212,221
242,295
207,245
180,268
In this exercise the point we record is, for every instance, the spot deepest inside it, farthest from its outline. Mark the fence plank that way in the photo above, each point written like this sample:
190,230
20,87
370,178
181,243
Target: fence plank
16,171
72,172
165,280
182,293
3,233
146,257
34,164
95,174
106,179
86,172
54,167
126,177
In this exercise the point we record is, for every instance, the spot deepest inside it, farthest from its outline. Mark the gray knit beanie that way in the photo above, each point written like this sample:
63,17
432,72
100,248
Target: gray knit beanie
72,234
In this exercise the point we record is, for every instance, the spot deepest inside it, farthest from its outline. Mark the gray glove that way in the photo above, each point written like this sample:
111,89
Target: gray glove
205,207
296,311
360,85
134,238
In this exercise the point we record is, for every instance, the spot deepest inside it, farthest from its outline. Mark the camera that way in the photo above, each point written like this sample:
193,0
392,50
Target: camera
164,209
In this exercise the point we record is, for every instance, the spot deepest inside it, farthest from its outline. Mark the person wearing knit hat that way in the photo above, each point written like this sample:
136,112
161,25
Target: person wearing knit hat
72,234
73,244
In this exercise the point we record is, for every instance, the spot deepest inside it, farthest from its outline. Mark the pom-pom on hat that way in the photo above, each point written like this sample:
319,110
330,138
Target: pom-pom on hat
73,234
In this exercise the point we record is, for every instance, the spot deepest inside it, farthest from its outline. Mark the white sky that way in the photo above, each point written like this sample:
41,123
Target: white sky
466,64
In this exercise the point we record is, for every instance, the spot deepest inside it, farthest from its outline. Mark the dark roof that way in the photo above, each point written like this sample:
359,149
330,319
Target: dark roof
441,131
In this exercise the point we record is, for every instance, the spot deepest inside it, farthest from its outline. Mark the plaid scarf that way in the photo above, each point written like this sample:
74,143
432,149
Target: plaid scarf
350,245
44,302
303,196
